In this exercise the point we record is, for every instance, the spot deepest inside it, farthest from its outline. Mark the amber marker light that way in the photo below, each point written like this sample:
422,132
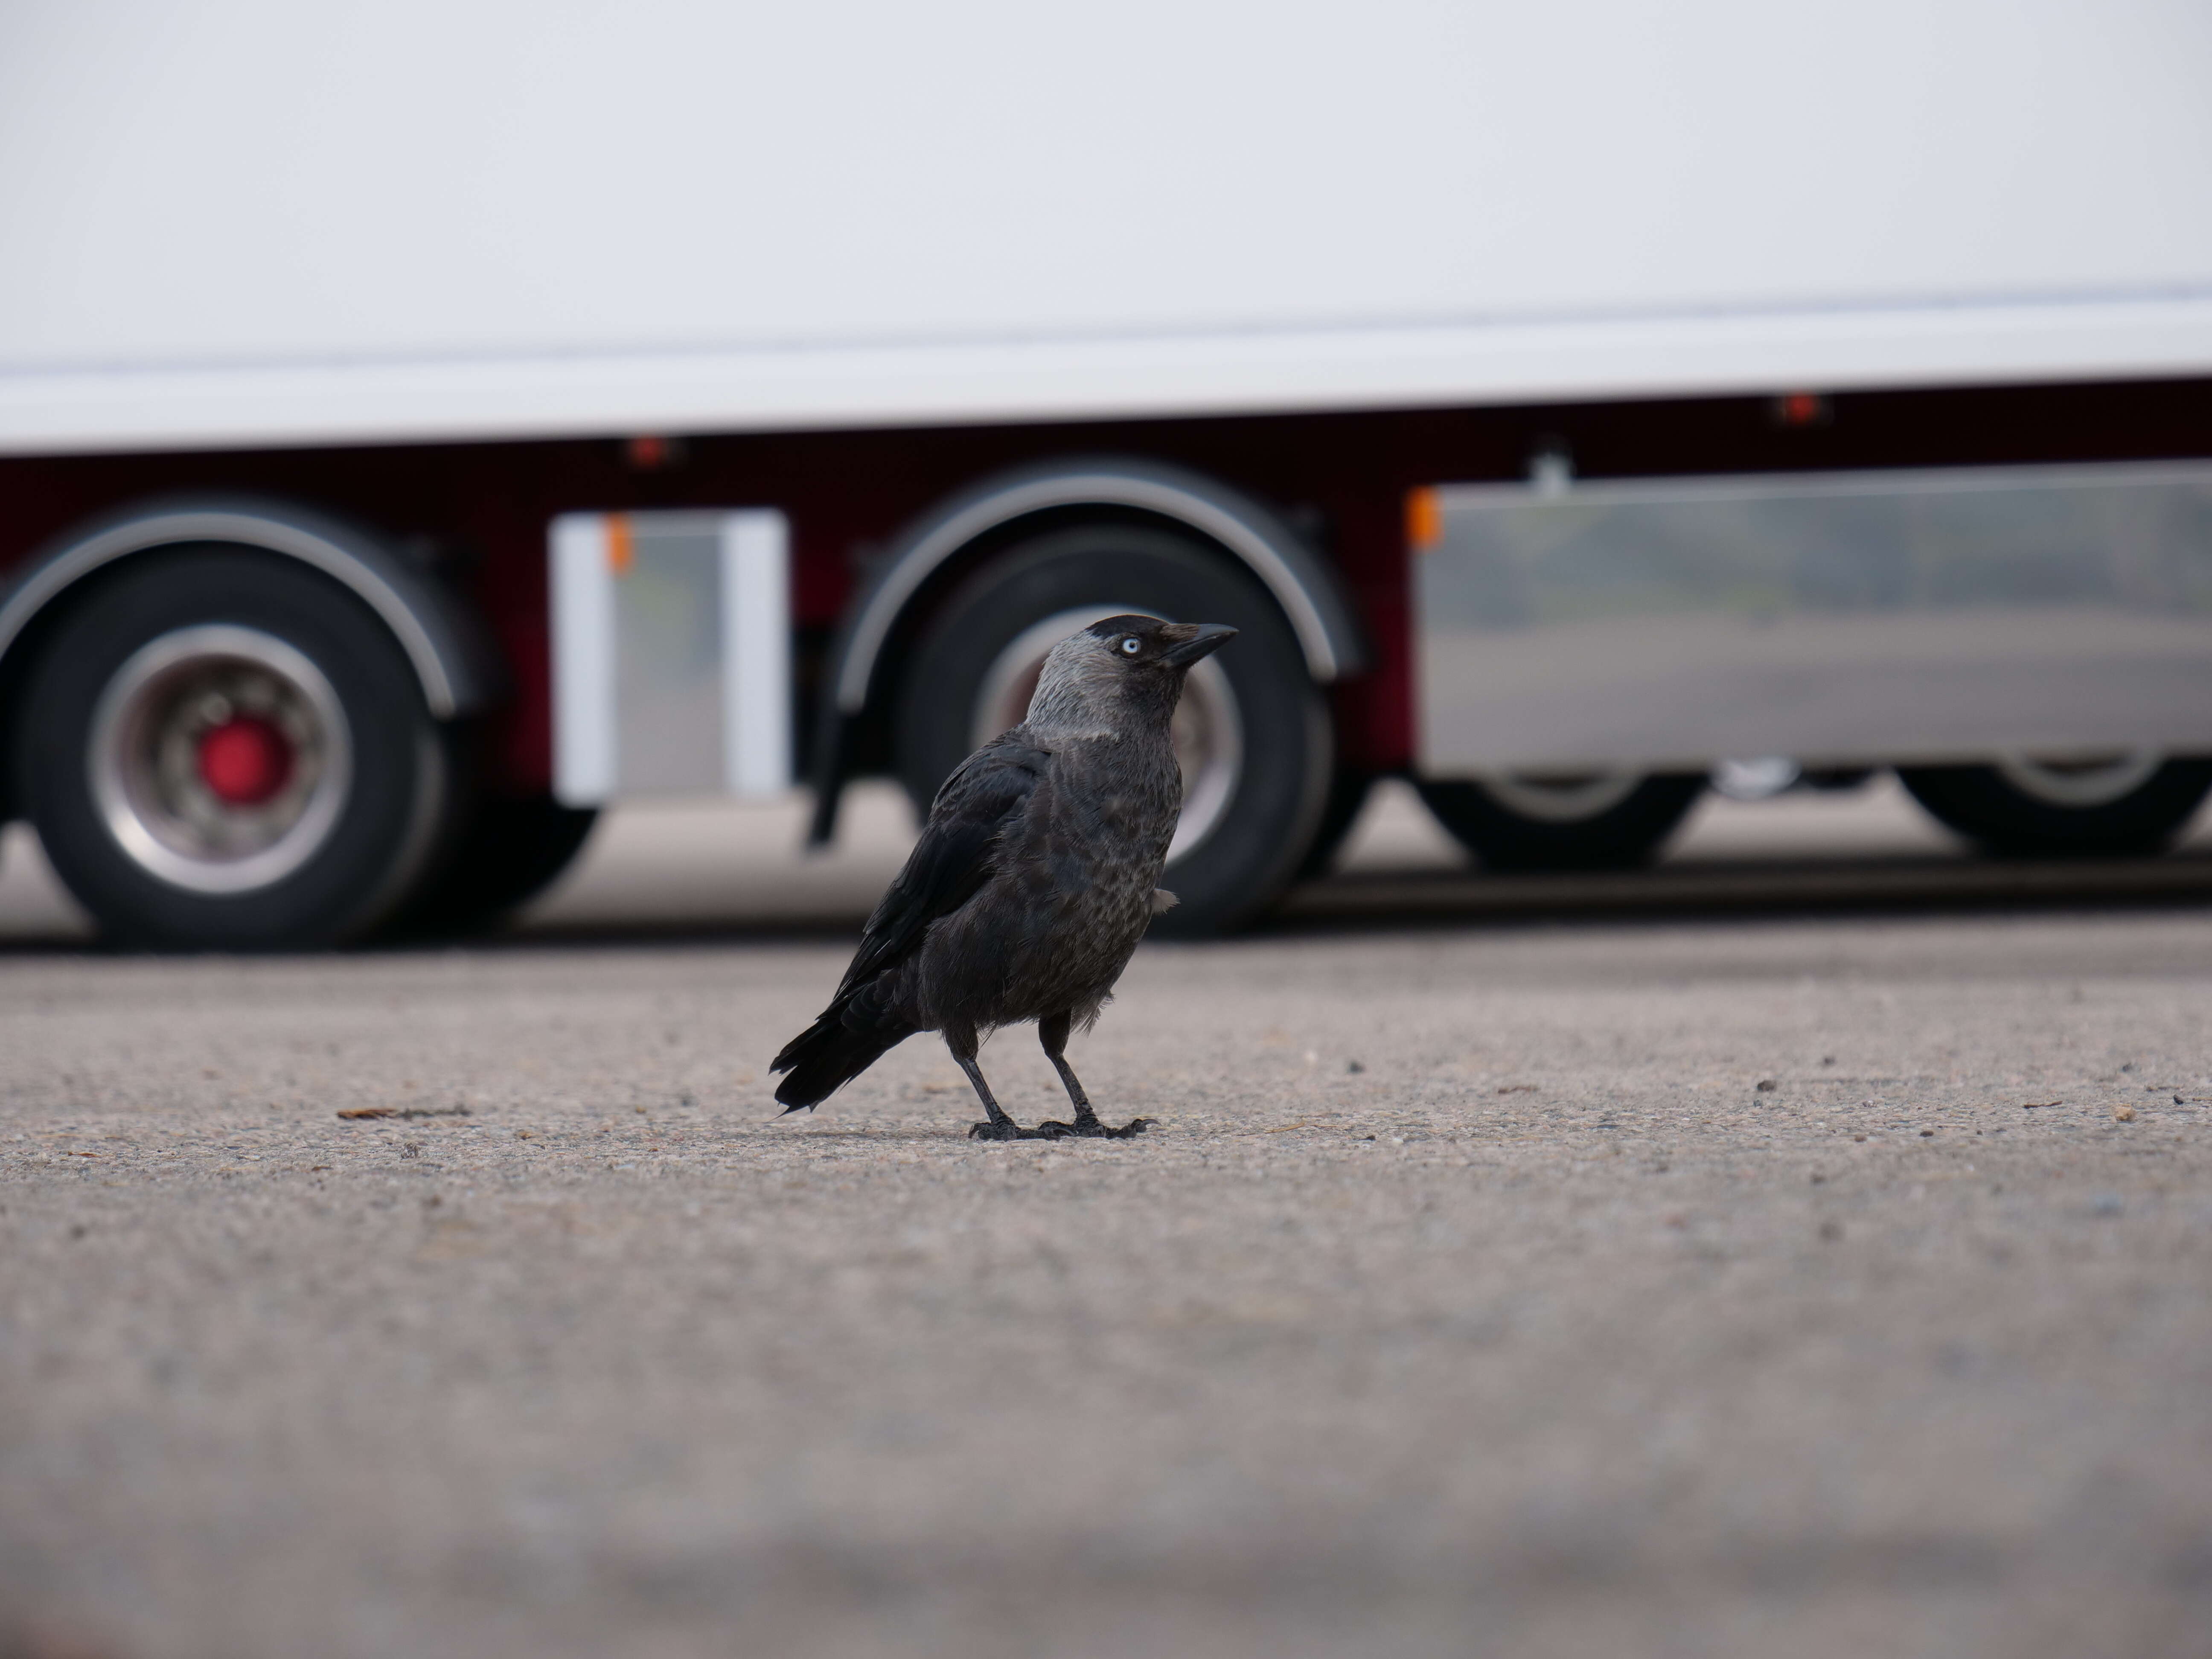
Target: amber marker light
1800,409
622,546
1424,519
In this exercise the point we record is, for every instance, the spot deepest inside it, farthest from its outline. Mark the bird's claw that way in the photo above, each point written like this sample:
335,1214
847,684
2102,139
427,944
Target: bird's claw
1093,1129
1090,1129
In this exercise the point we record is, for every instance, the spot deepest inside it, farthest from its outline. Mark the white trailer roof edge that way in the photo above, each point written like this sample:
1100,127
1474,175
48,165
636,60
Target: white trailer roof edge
122,409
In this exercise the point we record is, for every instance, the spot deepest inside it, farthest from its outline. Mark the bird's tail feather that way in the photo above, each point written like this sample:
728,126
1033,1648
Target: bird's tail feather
831,1053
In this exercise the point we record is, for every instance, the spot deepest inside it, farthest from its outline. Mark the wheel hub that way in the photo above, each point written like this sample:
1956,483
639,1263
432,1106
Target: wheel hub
221,758
2080,782
1561,797
245,761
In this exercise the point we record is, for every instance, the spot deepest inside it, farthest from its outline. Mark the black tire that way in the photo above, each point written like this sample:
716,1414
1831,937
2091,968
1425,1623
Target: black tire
379,795
512,850
1621,836
1984,805
1264,809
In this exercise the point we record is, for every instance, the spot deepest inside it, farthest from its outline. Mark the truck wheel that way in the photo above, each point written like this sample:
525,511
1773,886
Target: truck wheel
514,849
2020,807
1252,732
1592,821
226,751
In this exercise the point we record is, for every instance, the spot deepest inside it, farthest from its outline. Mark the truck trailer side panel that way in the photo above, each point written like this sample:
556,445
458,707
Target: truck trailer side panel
237,222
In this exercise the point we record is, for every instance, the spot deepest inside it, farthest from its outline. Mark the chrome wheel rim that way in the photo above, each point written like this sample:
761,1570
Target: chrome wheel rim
1208,730
2091,780
1561,797
220,759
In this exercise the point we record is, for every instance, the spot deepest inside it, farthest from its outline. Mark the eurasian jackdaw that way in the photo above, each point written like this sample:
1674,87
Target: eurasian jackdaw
1035,878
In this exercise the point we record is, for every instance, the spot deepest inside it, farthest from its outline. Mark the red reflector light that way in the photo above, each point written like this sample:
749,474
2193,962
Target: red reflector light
245,761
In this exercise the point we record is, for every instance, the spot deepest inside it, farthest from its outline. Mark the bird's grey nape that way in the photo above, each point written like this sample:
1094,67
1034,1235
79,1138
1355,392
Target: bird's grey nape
1079,689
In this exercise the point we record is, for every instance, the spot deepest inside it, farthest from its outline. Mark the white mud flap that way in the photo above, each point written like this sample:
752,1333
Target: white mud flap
672,654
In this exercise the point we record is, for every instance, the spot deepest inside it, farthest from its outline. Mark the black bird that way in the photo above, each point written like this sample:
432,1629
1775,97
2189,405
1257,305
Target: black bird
1035,876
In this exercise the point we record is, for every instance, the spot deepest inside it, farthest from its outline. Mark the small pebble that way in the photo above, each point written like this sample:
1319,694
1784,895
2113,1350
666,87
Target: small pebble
1354,1067
1928,1134
2125,1113
1765,1086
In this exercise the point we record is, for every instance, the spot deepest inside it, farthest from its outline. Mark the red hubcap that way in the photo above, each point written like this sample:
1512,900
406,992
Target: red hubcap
245,761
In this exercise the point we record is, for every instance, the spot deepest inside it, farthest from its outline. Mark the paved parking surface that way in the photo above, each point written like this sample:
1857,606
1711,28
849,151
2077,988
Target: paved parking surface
1701,1288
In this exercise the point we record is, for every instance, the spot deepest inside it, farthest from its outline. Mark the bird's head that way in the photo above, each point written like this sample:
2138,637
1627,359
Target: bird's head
1120,670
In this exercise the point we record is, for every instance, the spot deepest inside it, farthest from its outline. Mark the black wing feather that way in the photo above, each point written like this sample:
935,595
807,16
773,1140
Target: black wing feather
956,855
958,851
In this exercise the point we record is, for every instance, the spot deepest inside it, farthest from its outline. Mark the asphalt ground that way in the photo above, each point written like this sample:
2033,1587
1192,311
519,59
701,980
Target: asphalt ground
1719,1284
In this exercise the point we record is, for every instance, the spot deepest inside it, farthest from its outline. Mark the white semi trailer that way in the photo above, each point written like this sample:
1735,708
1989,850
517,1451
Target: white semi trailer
1567,397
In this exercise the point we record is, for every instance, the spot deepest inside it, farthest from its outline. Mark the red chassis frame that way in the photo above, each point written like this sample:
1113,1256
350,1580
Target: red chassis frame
479,511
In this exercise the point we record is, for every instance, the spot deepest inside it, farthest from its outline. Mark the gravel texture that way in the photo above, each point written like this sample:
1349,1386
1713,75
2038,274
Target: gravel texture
1724,1289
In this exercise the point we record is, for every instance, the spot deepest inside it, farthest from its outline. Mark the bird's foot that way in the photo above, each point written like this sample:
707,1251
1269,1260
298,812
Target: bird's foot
1009,1130
1090,1128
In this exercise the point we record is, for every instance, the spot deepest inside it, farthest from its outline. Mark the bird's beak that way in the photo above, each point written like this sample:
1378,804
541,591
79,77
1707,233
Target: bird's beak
1192,640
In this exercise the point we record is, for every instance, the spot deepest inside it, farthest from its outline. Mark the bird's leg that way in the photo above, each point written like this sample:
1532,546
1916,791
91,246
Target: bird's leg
961,1039
1052,1032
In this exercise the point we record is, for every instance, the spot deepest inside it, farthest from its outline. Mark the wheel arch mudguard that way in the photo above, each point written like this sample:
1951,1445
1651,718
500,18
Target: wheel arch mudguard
1299,580
450,660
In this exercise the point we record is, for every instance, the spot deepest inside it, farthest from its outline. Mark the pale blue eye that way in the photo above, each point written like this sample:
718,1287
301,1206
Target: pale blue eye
1131,645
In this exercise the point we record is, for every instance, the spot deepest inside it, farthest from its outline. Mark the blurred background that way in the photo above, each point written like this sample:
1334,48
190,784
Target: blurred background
550,425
